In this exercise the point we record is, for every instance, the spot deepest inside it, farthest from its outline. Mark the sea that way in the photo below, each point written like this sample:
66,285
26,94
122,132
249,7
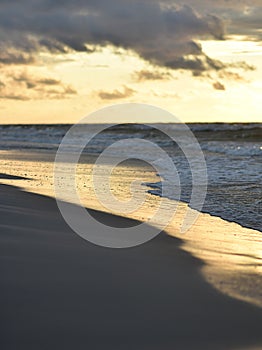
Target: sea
232,154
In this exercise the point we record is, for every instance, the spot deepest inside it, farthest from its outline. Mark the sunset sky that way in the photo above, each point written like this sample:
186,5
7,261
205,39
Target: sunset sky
199,59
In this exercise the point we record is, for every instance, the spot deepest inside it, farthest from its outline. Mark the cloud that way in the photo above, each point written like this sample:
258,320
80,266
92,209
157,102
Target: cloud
219,86
24,87
37,81
116,94
157,33
242,65
195,64
69,90
242,17
161,32
7,93
12,96
49,81
247,22
152,75
166,95
9,58
231,76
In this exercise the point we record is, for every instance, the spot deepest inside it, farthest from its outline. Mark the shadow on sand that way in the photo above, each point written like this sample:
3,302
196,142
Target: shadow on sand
61,292
13,177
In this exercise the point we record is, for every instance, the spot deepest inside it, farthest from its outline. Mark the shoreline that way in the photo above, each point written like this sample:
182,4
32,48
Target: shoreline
232,254
59,290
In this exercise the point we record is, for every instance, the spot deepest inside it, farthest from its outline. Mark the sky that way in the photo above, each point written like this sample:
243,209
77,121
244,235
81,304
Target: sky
199,60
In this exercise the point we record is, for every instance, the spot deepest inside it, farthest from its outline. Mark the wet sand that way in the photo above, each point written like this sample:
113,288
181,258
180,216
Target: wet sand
59,291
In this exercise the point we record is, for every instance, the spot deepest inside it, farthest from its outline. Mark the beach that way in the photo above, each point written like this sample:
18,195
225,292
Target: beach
130,175
60,291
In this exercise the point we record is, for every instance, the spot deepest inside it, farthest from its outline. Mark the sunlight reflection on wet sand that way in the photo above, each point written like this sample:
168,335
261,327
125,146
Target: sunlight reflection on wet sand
232,254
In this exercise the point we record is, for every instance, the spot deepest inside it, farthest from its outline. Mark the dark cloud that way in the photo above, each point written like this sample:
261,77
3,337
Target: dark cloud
53,46
15,58
242,17
219,86
161,32
157,33
247,22
116,94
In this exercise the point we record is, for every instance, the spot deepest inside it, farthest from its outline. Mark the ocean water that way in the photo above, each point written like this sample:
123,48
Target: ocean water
233,155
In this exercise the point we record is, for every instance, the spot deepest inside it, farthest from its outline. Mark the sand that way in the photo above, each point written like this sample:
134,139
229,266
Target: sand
59,291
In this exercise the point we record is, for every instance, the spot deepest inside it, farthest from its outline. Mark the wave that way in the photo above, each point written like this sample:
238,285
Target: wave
243,149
